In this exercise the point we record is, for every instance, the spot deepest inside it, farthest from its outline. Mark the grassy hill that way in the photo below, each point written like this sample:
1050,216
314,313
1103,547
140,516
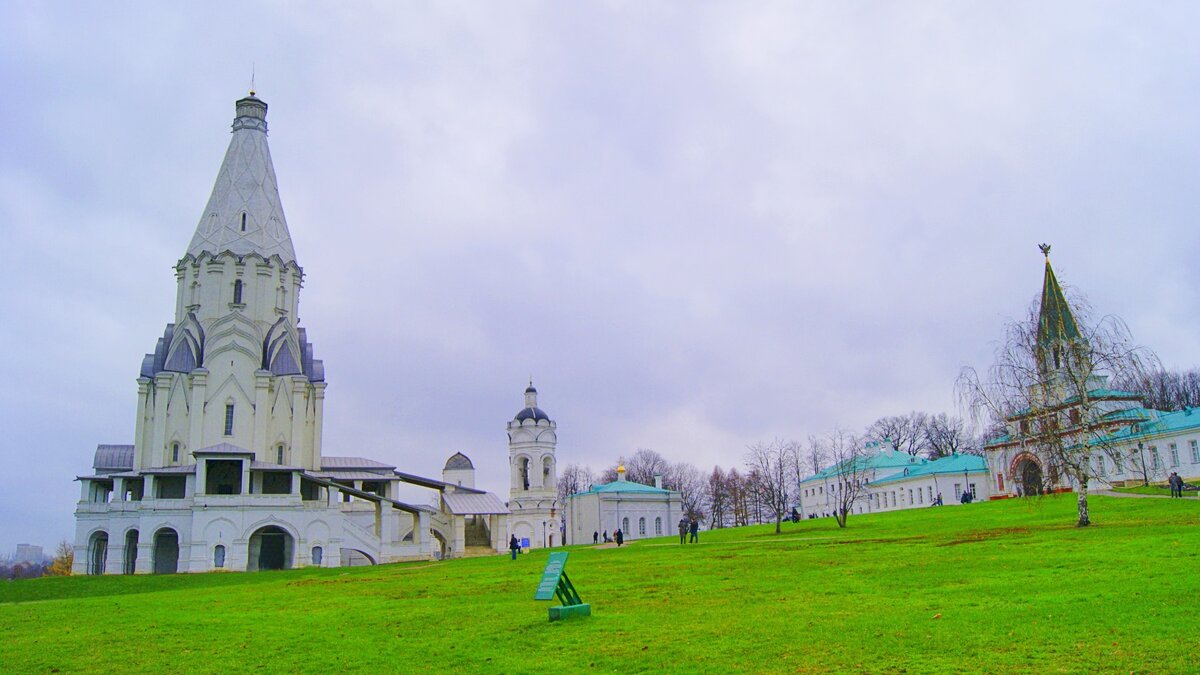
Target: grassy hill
1002,586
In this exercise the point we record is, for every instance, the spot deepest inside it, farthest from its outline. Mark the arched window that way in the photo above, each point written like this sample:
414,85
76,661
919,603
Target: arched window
243,221
524,473
642,526
658,526
625,525
174,452
279,454
228,419
237,292
318,554
219,556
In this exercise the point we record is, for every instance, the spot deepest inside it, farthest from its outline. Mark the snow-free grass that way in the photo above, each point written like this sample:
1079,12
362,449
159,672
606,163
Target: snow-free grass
1007,586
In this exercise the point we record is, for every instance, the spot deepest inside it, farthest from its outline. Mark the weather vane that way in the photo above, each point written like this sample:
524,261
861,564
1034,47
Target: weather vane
251,78
1045,249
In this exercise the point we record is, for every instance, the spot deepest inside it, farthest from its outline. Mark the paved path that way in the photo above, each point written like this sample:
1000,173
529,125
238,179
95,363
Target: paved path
1114,493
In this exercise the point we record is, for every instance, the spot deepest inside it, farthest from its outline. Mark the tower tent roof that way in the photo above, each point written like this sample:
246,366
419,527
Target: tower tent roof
1055,321
458,461
244,214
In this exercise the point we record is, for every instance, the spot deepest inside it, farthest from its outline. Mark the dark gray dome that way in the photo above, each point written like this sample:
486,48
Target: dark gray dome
535,414
530,390
458,461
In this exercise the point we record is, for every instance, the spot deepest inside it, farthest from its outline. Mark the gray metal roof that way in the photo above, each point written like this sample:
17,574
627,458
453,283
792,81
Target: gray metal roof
457,462
462,504
111,458
223,449
171,470
434,483
357,475
328,463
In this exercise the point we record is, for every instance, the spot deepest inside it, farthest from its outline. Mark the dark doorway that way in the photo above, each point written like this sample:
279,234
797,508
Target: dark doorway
271,548
131,542
166,552
98,553
1031,478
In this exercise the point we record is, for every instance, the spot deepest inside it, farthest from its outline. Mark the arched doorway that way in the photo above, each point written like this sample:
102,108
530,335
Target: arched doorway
131,542
1029,476
441,542
97,553
271,548
166,551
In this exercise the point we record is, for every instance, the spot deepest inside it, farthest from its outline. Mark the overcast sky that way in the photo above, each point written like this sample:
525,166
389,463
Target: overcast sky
696,225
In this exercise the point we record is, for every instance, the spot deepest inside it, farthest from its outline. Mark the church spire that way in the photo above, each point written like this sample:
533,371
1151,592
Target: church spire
1055,322
244,214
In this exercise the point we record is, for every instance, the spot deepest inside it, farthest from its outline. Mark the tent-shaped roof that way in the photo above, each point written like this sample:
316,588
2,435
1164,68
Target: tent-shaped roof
244,214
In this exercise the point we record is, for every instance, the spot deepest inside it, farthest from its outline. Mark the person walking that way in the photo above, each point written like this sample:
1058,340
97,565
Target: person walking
1176,484
514,546
620,537
694,528
683,529
595,537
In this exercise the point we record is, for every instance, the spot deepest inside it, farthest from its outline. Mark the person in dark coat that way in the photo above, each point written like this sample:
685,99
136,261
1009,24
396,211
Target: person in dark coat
683,529
595,537
620,537
694,528
514,546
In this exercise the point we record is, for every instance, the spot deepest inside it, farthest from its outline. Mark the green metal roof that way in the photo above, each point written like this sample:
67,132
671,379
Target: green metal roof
622,486
954,464
882,461
1162,423
1055,322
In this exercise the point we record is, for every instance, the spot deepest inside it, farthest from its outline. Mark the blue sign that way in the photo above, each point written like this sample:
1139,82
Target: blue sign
525,542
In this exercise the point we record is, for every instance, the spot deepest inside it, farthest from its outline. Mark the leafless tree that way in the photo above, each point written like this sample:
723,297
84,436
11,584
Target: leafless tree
770,463
946,435
904,432
1044,383
716,491
573,479
640,467
690,483
1168,390
850,472
739,497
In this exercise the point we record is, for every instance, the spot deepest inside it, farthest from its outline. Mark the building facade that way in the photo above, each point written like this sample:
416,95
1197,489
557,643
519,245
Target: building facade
533,475
639,511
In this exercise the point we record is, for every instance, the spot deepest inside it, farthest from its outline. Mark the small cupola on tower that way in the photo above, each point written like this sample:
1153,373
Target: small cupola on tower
531,411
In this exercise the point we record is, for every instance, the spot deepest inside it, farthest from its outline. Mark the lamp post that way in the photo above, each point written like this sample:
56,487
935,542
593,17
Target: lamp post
1145,475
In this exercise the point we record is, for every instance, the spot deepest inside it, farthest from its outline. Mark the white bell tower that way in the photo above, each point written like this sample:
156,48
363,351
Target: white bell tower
533,489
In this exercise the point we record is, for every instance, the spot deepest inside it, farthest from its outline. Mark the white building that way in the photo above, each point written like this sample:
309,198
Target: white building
226,470
533,488
639,511
894,480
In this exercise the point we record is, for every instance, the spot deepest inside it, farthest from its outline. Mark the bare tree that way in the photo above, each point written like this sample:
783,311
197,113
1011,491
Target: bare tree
640,467
850,472
573,479
716,491
1048,382
1168,390
739,497
689,482
769,463
904,432
946,435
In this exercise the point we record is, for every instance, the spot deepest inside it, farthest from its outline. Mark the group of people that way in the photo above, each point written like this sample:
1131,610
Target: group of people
689,526
618,536
1175,481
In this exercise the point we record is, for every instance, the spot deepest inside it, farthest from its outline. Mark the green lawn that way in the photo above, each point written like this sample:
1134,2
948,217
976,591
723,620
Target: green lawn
1003,586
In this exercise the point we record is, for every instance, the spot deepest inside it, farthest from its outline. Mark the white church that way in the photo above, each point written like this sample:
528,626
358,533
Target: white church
227,470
